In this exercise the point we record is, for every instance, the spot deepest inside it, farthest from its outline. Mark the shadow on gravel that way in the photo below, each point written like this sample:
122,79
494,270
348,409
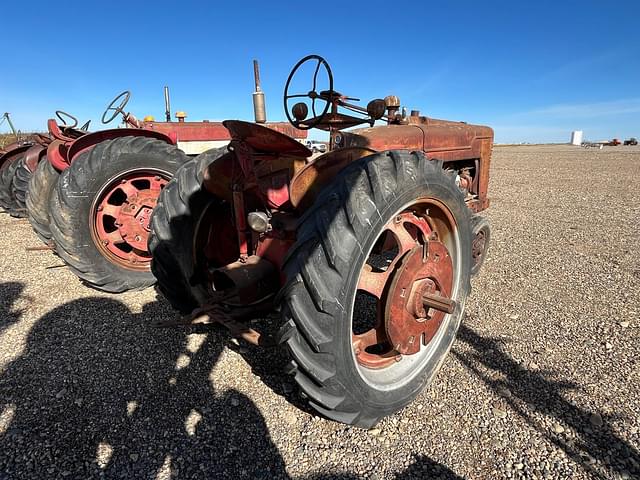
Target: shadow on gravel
543,395
10,292
96,393
99,394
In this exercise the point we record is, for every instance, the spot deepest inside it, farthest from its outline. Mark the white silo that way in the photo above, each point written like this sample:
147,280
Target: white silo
576,137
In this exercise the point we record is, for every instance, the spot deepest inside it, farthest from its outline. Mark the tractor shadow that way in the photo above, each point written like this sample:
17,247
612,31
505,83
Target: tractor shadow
97,393
10,293
544,395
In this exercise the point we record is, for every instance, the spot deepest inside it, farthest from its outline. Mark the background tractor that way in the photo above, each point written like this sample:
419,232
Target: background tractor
367,250
13,158
96,214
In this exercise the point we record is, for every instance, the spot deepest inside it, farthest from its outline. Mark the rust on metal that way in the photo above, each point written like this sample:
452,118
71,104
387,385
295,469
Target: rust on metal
416,285
317,174
263,139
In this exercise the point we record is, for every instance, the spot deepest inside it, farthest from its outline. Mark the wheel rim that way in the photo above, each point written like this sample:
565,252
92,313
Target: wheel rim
420,246
478,248
120,216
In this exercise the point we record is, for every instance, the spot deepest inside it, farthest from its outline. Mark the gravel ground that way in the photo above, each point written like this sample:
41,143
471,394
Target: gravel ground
542,382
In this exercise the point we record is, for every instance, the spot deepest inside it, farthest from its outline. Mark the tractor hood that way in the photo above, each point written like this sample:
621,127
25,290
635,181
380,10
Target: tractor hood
437,138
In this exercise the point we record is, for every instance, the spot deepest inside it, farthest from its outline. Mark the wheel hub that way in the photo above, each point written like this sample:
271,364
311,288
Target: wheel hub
409,321
122,217
413,292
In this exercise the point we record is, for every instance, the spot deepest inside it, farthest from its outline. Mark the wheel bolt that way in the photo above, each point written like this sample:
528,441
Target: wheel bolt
105,242
157,178
100,208
123,181
137,237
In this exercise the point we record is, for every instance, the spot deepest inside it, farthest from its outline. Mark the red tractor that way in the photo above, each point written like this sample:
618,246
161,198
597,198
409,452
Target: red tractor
15,159
97,214
367,250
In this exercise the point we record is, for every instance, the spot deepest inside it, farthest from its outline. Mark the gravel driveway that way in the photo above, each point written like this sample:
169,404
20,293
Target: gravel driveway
543,381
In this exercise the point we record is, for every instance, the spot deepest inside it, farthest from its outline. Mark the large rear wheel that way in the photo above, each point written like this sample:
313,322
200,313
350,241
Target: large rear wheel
38,198
376,286
187,233
19,187
7,198
101,211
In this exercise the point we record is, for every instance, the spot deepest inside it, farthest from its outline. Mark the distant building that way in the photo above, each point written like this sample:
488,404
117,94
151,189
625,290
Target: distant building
576,137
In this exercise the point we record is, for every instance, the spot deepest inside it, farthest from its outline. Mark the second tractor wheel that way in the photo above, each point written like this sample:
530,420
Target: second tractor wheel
376,286
38,198
101,210
19,187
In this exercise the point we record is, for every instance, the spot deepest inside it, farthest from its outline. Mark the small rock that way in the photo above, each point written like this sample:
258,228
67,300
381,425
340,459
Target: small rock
608,346
514,317
374,432
499,413
134,457
624,324
534,366
519,466
596,420
558,428
235,402
504,392
61,393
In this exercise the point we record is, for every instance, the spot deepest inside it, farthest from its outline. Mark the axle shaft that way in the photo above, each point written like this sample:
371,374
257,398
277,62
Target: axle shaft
439,303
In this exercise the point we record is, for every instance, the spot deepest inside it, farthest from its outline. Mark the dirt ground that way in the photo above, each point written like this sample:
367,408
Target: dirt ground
542,382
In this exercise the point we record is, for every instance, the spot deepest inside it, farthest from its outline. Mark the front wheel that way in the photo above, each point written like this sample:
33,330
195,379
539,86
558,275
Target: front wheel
376,286
101,210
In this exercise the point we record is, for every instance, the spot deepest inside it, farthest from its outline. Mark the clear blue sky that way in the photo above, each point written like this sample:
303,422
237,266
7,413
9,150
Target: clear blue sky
533,71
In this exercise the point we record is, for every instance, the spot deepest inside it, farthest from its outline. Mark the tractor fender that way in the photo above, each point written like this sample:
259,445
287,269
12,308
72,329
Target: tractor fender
11,153
309,181
57,154
90,140
33,156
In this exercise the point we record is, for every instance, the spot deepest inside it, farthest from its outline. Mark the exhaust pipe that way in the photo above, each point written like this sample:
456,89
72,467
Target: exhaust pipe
259,110
167,104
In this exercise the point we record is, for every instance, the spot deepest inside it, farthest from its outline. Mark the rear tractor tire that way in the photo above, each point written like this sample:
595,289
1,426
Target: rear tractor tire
19,187
182,221
38,199
101,210
376,286
7,199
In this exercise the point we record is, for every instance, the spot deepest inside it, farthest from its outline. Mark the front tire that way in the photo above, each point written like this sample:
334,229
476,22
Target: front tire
386,219
101,209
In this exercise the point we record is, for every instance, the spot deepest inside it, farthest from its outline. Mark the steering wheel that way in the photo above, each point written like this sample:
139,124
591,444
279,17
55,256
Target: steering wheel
123,98
64,116
299,111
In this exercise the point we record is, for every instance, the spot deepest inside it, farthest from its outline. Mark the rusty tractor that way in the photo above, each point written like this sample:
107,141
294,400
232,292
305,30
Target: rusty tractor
96,214
366,251
15,159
